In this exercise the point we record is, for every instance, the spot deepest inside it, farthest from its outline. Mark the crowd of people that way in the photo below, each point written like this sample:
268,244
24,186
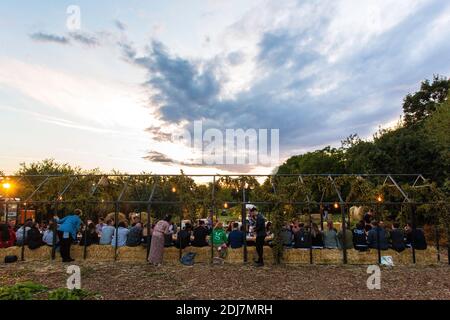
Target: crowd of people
369,233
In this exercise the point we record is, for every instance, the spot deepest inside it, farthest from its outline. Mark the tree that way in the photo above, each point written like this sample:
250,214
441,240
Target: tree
327,160
420,105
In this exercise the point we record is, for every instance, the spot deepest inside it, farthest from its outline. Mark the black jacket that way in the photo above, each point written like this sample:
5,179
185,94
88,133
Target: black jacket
90,238
416,238
183,239
34,238
200,234
398,240
302,239
260,226
359,239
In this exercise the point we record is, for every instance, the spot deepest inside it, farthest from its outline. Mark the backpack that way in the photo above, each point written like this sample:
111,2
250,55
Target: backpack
188,259
10,259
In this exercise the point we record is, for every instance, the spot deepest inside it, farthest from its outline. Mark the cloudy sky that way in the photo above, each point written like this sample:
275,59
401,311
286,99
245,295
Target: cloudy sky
110,94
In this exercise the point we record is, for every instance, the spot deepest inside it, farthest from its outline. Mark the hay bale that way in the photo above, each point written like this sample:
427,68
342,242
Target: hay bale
296,256
235,256
358,257
203,253
171,255
99,253
135,254
327,256
11,251
43,253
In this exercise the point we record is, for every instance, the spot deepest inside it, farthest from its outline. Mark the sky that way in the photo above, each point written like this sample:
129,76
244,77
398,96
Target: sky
110,94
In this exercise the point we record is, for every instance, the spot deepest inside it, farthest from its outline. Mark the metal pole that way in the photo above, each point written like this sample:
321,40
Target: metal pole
344,230
55,233
321,216
244,223
85,238
213,195
436,229
149,218
310,237
22,254
378,235
413,240
116,218
178,233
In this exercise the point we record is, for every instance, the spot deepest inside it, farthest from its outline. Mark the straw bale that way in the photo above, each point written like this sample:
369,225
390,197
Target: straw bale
11,251
138,253
296,256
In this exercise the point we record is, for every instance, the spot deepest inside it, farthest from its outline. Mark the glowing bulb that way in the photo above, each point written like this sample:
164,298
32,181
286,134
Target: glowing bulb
336,205
174,189
225,205
6,185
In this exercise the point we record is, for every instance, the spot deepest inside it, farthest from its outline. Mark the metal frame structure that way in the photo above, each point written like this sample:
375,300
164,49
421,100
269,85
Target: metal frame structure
389,179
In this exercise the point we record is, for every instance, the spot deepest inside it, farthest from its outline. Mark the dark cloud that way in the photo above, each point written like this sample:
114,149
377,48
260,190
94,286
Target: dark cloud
159,135
85,39
120,25
302,90
47,37
155,156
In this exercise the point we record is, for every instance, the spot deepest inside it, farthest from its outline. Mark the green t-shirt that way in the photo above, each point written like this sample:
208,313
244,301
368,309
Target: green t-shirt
219,237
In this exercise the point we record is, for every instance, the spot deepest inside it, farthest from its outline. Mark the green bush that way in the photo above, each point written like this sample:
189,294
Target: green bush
67,294
21,291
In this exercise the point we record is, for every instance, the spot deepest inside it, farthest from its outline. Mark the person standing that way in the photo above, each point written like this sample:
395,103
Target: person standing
157,245
67,232
260,230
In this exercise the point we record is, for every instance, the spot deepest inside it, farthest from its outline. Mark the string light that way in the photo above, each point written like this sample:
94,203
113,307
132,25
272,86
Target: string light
225,205
336,205
174,189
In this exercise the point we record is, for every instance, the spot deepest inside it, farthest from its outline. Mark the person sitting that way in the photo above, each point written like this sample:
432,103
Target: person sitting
330,240
397,238
168,237
89,236
120,235
368,217
236,237
219,240
47,237
372,237
415,237
287,236
7,236
34,237
184,237
269,228
135,236
359,237
348,238
21,234
107,232
316,237
100,225
302,238
200,234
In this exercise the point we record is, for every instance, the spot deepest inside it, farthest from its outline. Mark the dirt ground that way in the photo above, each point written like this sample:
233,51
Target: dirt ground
202,281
